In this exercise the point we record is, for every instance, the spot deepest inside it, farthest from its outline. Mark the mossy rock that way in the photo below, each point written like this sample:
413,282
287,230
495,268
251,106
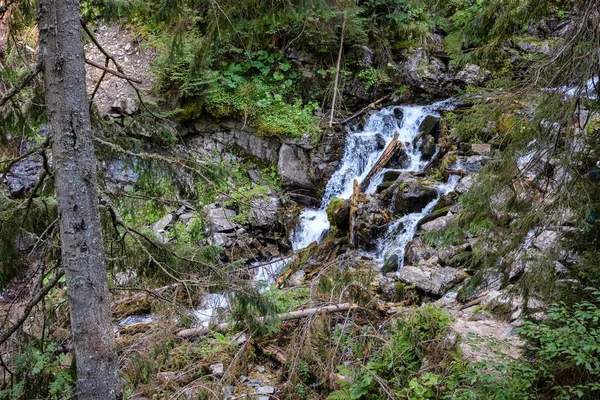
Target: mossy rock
338,213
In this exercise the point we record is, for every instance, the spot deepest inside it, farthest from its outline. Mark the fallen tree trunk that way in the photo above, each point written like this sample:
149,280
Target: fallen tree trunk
387,154
192,332
364,110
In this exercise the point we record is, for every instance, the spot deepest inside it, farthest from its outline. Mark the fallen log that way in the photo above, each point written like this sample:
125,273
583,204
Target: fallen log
367,108
387,154
192,332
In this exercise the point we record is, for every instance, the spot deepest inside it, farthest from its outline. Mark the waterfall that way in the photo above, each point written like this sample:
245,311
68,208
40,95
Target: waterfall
362,150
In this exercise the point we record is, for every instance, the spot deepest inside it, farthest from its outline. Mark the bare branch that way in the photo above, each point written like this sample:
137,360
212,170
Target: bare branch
32,303
26,81
112,71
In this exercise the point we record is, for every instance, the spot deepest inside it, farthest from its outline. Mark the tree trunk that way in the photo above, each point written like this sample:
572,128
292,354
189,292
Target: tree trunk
62,56
4,28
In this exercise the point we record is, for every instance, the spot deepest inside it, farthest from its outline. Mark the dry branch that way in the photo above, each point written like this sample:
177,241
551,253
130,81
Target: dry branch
387,154
337,72
112,71
26,81
32,303
192,332
364,110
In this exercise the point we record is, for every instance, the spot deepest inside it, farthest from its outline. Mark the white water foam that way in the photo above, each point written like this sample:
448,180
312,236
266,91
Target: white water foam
362,150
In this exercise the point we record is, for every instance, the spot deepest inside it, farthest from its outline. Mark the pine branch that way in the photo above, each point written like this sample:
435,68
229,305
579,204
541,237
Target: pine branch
21,85
32,303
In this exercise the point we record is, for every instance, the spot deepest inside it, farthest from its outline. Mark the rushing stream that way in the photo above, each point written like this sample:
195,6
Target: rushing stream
362,150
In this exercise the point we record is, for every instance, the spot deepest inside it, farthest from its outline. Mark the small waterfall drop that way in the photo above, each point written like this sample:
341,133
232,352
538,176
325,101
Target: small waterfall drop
363,149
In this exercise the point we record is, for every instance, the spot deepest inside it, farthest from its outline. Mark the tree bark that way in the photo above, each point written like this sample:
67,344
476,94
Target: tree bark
62,57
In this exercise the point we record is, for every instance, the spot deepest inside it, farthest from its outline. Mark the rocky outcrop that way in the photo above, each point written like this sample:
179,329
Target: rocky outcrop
413,197
293,167
436,281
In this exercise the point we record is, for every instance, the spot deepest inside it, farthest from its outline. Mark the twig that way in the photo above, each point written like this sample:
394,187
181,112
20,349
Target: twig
112,71
28,78
365,109
34,301
189,333
337,72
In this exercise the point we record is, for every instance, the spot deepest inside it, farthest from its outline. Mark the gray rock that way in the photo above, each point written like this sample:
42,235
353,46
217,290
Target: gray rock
472,74
119,174
293,167
23,175
217,369
469,164
413,198
427,146
437,224
418,251
546,241
296,279
186,218
162,224
436,281
390,264
424,72
254,175
480,315
126,107
482,149
263,212
465,184
265,390
218,219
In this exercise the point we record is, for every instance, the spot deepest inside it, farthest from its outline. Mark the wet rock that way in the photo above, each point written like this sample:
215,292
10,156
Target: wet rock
23,175
218,220
367,55
418,251
370,220
427,146
438,223
399,160
263,212
430,126
380,140
338,213
436,281
390,264
293,166
413,198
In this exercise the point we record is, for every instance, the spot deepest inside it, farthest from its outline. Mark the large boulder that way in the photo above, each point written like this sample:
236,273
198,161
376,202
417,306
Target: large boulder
424,72
427,146
418,251
293,167
438,223
436,281
263,212
218,220
413,197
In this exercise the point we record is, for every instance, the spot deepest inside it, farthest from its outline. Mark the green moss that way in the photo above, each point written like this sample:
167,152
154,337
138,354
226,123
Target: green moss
334,205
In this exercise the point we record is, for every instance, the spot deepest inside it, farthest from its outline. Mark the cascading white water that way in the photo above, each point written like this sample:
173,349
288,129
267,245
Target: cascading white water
404,229
363,149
